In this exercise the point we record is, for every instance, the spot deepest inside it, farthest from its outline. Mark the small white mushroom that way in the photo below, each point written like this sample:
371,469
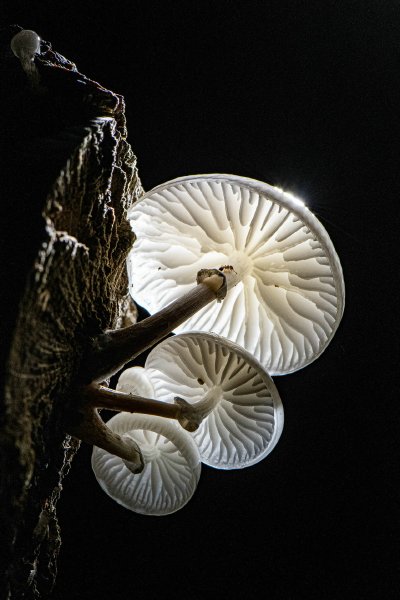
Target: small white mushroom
134,381
171,465
229,393
289,296
25,45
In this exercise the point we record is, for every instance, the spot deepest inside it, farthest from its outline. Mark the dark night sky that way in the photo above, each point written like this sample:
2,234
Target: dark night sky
303,95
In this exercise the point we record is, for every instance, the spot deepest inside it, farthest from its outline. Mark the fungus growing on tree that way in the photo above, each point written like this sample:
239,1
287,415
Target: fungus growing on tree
25,44
289,296
171,465
231,403
285,297
61,345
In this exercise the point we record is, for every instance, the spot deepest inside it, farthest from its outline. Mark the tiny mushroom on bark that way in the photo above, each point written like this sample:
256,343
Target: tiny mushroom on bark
24,45
171,465
231,403
289,296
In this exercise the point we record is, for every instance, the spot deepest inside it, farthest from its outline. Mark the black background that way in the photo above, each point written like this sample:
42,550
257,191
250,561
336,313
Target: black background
303,95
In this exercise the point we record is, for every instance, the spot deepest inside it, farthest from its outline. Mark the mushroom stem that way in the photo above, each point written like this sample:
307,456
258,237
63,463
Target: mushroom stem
103,397
111,350
92,430
231,276
193,414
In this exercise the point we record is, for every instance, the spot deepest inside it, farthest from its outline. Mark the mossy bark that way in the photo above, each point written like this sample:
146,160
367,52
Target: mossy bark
69,176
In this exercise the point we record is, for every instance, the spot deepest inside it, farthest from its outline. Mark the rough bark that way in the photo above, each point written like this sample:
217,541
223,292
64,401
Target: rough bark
71,176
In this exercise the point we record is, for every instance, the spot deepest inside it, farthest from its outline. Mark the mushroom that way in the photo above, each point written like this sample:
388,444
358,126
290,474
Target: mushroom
289,296
229,396
134,381
171,465
25,44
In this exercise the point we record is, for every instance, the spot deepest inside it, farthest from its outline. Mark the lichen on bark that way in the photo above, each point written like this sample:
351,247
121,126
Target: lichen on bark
80,173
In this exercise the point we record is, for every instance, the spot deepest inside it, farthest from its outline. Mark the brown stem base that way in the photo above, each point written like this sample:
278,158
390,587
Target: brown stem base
102,397
91,429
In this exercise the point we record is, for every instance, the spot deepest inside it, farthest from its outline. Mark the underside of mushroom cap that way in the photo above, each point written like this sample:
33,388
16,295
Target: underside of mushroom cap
244,413
135,381
290,298
171,466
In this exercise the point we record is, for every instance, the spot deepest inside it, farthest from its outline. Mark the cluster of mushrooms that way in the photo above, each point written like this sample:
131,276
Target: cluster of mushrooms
268,300
277,299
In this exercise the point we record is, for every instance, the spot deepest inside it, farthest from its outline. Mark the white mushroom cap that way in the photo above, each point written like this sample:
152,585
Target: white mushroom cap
135,381
245,413
171,471
25,44
290,299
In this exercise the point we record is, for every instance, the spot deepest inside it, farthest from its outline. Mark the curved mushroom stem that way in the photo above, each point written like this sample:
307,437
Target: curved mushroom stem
92,430
103,397
111,350
193,414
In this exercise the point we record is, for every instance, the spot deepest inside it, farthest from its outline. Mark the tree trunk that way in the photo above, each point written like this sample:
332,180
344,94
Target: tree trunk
69,177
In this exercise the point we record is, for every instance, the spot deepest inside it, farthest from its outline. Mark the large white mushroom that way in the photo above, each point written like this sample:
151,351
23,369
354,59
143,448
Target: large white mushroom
289,296
230,396
171,465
